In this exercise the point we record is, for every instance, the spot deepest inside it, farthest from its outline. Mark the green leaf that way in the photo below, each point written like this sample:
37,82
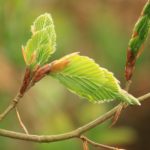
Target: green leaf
42,22
42,42
87,79
136,43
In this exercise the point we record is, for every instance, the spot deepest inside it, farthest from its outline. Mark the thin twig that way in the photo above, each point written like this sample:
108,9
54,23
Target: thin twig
99,145
11,106
144,97
117,115
128,84
73,134
85,143
21,122
25,86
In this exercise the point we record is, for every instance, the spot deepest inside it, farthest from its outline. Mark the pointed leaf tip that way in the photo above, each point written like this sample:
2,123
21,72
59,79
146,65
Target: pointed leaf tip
42,22
130,99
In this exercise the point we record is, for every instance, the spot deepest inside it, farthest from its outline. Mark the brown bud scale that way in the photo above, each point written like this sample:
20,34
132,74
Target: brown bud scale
26,81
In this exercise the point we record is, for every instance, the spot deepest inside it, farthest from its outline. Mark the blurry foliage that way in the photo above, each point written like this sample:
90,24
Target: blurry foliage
14,23
92,27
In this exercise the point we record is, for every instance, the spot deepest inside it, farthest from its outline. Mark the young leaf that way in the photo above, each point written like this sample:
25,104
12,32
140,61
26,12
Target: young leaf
139,36
87,79
42,22
42,42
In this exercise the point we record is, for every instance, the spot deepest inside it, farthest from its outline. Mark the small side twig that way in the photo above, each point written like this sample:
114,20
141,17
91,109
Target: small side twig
85,143
117,115
88,141
21,122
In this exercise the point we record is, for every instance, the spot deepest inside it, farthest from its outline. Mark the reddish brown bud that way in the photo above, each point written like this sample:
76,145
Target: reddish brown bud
26,81
129,71
41,72
129,64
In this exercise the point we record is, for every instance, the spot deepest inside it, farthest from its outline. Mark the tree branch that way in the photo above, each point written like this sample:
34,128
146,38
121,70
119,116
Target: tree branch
73,134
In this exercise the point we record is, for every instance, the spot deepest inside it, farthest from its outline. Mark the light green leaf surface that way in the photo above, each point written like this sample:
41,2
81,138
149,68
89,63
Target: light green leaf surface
87,79
42,42
42,22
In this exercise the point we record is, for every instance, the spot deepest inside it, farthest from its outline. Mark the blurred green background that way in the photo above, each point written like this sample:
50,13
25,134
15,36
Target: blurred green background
97,28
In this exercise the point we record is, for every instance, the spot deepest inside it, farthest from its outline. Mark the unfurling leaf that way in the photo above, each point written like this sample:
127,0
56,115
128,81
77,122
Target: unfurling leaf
136,43
87,79
42,42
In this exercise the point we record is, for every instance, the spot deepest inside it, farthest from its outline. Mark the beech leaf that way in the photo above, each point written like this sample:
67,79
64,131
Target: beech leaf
87,79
